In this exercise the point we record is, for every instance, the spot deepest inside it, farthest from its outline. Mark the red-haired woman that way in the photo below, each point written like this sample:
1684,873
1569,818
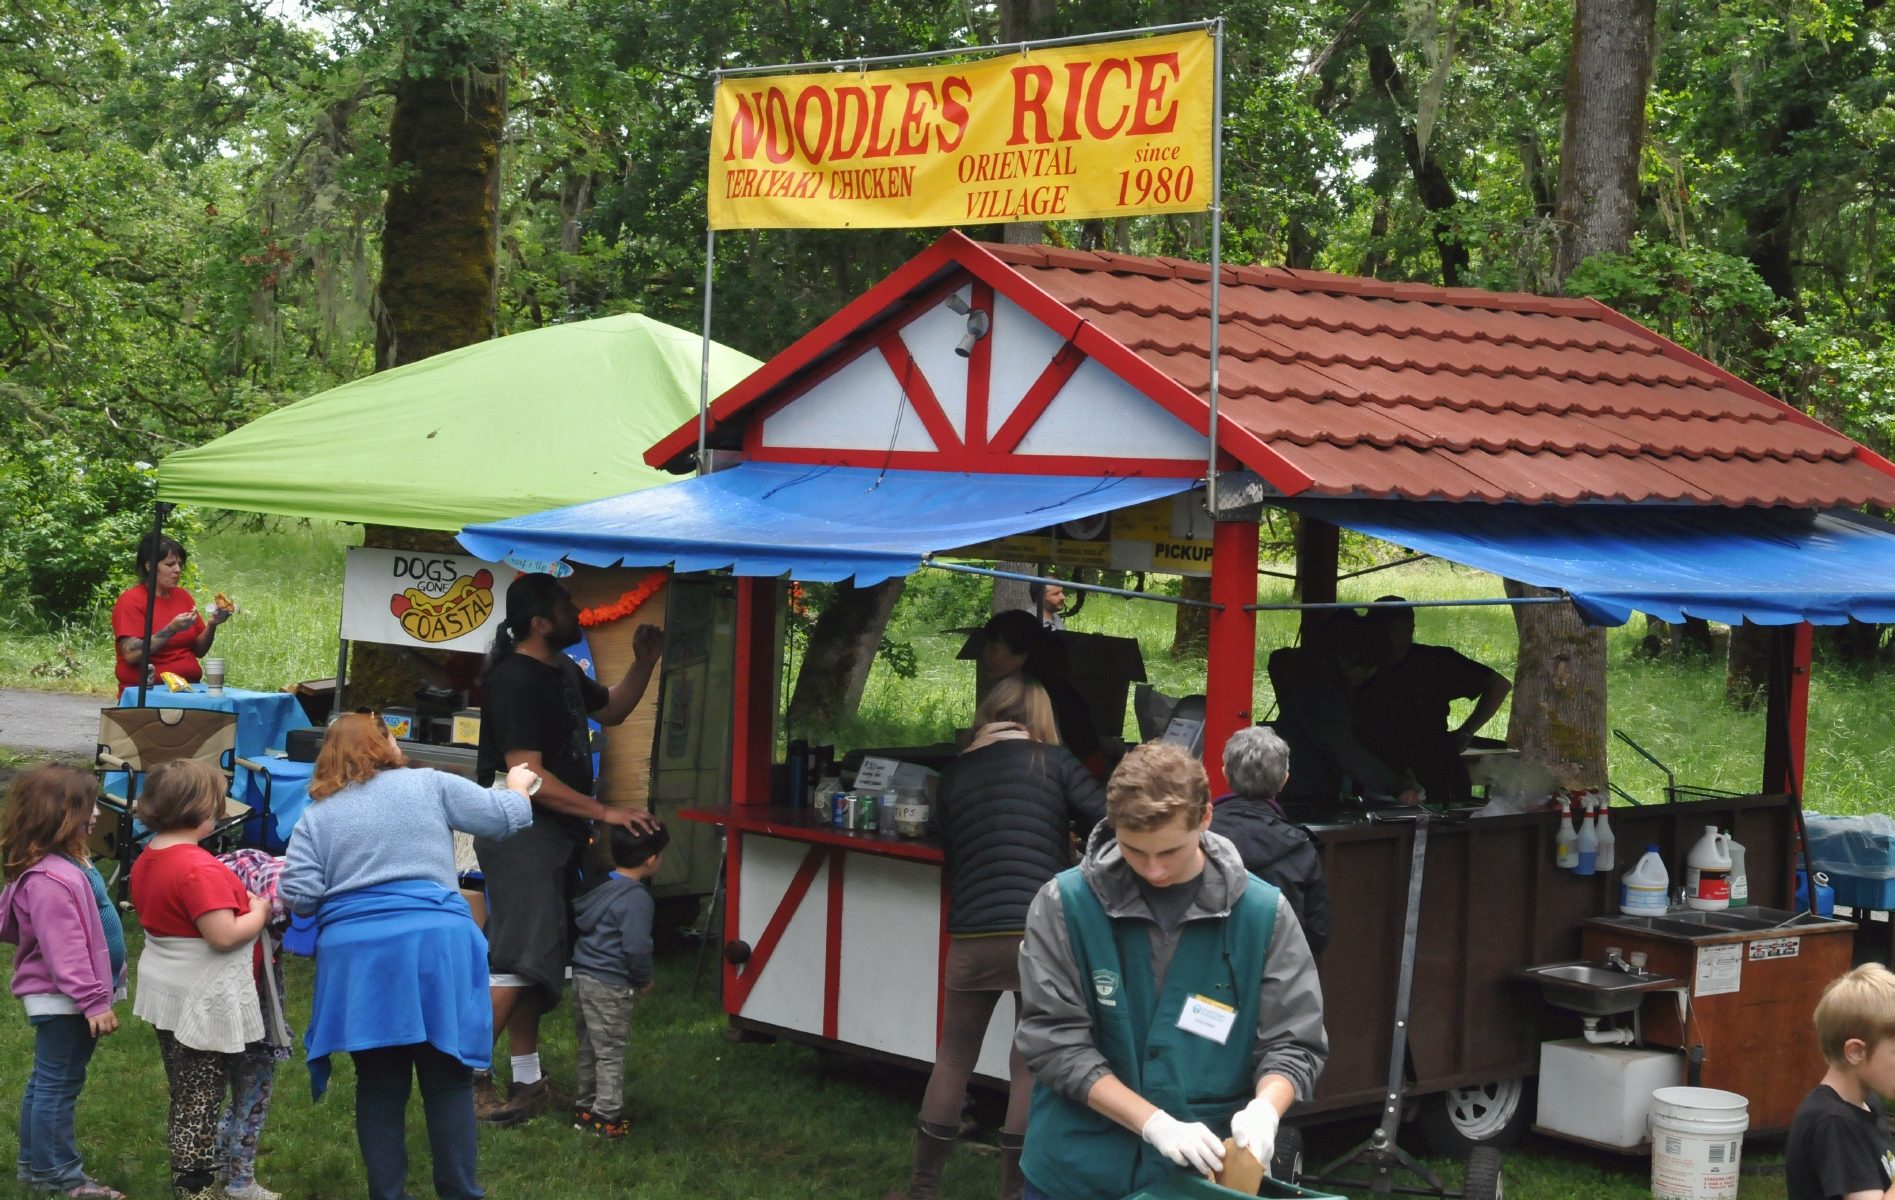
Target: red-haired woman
373,858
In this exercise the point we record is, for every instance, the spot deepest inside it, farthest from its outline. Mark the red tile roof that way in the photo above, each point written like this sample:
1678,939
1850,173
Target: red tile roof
1404,390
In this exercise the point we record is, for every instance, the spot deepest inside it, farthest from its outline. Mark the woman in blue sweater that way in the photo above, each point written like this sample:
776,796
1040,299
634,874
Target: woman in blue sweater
401,968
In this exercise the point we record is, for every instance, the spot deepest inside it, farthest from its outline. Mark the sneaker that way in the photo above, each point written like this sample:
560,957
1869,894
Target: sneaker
490,1108
583,1120
609,1130
535,1098
251,1191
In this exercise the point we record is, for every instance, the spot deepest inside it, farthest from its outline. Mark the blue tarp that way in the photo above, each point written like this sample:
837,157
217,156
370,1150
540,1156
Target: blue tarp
1772,566
817,523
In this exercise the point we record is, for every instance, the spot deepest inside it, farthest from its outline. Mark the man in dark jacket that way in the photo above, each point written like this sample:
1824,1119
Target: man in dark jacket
1315,688
1256,765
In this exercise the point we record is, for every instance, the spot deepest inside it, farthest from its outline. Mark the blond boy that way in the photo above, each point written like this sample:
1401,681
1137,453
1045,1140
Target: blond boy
1839,1146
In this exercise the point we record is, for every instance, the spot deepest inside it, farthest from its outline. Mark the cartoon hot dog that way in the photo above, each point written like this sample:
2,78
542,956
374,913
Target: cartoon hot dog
460,610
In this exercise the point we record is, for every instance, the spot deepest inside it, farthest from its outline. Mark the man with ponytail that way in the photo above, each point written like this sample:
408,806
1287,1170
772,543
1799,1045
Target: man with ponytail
536,706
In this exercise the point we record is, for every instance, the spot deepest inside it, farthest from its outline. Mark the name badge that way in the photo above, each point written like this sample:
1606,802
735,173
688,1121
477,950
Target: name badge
1207,1018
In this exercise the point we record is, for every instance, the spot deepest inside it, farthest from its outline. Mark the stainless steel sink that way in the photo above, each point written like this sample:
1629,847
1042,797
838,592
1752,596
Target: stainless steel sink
1705,924
1593,988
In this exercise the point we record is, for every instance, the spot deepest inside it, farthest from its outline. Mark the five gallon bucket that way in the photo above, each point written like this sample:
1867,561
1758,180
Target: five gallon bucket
1697,1138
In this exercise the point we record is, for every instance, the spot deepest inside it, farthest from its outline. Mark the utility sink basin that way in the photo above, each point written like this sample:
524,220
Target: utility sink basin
1719,923
1595,989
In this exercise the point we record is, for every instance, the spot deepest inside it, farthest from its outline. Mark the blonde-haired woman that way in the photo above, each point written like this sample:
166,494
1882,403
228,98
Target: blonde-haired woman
1006,813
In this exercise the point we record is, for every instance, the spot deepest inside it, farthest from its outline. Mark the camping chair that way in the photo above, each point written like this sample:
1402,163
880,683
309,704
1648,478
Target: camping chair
134,740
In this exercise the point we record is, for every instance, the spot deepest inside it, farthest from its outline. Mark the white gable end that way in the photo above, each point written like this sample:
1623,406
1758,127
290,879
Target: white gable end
931,339
860,407
1099,415
1022,348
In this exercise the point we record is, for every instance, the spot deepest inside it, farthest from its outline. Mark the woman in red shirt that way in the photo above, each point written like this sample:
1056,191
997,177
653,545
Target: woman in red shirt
179,637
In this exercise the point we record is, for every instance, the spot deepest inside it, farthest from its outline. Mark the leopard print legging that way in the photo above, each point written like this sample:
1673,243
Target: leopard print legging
199,1079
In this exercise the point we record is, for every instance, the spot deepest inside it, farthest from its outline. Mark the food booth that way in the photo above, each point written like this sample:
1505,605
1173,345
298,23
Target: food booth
487,431
1550,440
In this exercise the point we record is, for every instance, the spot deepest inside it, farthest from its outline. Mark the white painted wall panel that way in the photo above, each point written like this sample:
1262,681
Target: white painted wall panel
789,992
1022,348
931,339
1097,414
858,408
891,948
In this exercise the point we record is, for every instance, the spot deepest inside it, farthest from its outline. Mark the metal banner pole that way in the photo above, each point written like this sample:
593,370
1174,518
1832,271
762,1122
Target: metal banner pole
704,364
1217,246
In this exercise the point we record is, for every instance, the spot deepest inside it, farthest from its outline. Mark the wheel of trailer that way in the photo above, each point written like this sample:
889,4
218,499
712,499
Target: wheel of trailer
1482,1180
1495,1114
1286,1164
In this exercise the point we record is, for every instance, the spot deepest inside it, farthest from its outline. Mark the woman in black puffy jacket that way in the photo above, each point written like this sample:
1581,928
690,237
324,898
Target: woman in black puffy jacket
1006,812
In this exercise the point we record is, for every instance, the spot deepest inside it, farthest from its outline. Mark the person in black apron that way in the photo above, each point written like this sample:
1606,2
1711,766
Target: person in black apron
537,702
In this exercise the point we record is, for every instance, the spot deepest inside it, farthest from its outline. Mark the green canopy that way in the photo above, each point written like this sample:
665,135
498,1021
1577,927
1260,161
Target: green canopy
516,425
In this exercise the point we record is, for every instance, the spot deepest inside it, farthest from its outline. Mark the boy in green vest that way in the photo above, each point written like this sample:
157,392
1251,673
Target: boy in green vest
1168,999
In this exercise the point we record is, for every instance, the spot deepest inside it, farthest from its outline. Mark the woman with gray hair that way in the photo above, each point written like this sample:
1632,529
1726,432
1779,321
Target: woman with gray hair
1257,765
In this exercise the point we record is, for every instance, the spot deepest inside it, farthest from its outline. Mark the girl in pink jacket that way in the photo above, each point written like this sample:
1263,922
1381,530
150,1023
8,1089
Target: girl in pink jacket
53,909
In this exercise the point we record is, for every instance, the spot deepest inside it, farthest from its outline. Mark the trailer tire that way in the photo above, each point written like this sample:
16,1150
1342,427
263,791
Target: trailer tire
1482,1180
1286,1163
1459,1120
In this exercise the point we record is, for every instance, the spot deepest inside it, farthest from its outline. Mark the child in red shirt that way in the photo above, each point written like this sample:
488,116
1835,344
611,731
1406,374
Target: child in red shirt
195,977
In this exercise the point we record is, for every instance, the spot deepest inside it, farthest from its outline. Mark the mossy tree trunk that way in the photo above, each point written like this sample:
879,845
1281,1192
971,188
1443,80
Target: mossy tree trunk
1559,691
437,286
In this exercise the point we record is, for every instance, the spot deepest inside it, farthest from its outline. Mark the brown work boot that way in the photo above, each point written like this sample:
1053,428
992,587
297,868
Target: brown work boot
532,1099
1012,1182
490,1108
932,1144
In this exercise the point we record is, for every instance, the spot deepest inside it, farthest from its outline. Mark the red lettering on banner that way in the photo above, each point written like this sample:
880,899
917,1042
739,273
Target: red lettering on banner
912,119
1151,93
861,98
776,102
744,131
1093,95
1034,104
875,125
1075,92
821,95
954,112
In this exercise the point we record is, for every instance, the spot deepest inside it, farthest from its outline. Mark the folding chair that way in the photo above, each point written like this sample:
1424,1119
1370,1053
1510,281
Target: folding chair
134,740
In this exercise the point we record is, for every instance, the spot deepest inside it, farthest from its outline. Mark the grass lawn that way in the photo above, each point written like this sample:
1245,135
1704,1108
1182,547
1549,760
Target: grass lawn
711,1120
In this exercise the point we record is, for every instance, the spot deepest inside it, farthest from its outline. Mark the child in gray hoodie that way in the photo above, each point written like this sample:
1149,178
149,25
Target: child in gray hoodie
610,962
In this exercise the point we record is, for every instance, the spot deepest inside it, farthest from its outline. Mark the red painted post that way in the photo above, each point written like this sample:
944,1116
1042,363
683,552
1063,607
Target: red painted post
753,716
1231,666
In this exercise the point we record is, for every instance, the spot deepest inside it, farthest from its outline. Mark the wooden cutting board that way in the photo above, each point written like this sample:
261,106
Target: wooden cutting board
1242,1172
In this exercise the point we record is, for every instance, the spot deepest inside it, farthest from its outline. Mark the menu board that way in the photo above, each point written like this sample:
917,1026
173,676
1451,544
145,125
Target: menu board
1171,536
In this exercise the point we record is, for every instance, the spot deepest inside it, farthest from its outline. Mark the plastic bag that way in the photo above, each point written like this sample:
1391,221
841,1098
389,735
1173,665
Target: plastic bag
1862,847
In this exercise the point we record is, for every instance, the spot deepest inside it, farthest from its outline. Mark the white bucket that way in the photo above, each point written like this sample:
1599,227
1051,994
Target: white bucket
1697,1140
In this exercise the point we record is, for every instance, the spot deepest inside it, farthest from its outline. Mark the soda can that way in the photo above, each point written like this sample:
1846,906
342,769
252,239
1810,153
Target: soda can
841,810
868,813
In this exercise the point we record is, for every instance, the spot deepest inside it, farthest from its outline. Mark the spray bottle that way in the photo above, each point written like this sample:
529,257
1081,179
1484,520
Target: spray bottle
1608,841
1588,844
1566,845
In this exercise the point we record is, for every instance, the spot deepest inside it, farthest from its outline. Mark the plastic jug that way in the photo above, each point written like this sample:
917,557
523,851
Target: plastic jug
1608,841
1707,874
1646,885
1740,882
1825,905
1588,843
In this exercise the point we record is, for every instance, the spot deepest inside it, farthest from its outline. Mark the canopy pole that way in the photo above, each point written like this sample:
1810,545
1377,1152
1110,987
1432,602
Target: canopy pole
159,509
1072,587
1217,246
337,706
1405,604
704,363
877,60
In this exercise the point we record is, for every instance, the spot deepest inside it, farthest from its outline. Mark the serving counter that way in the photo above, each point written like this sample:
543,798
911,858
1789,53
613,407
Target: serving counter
840,938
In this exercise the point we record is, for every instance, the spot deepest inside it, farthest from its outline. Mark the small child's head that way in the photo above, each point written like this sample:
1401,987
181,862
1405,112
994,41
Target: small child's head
50,810
638,854
181,795
1855,1026
1158,801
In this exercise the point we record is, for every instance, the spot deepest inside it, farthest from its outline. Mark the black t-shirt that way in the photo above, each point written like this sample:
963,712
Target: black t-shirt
1170,904
531,705
1402,713
1836,1148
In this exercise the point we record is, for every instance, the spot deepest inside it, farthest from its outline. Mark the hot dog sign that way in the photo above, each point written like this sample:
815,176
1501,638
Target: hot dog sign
414,598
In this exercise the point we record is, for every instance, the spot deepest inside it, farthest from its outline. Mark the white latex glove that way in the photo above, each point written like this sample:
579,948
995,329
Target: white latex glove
1255,1130
1192,1146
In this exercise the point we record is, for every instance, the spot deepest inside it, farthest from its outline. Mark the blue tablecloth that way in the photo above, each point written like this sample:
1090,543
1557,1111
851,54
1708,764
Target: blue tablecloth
289,796
264,719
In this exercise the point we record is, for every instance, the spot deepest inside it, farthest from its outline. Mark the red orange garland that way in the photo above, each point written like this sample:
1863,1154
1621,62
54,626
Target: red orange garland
625,605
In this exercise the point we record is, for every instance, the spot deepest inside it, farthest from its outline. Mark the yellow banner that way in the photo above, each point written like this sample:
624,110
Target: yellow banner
1112,129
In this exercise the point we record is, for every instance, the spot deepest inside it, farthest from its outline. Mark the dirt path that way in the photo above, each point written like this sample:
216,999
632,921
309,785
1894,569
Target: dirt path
50,722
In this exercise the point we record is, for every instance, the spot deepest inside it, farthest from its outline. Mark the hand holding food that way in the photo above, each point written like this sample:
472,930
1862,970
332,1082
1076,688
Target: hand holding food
222,609
181,622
